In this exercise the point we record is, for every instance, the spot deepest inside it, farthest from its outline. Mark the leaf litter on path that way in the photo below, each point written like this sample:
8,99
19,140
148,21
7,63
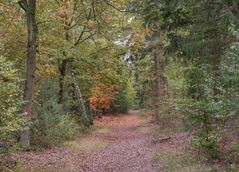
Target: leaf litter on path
117,145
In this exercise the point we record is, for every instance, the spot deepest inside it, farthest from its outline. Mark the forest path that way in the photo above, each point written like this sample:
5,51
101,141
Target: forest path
129,148
119,143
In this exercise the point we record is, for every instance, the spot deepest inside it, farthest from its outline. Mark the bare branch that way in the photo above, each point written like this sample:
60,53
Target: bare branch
80,36
116,8
23,4
88,37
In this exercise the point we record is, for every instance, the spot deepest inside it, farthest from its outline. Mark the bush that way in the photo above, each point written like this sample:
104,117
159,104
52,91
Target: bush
59,128
200,109
125,99
52,126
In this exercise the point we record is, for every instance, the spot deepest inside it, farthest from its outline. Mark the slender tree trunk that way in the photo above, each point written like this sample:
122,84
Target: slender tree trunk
62,67
30,73
158,75
62,70
80,99
158,85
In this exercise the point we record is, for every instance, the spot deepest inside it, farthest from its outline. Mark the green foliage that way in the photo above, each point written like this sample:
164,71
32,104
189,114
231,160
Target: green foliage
229,82
59,128
174,72
205,111
125,99
171,117
53,125
10,122
201,38
179,160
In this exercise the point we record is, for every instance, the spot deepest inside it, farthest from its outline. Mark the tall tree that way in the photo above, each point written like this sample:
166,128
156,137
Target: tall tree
30,8
78,26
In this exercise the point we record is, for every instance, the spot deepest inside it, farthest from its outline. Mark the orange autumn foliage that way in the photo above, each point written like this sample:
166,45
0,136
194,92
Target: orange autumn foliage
101,102
102,96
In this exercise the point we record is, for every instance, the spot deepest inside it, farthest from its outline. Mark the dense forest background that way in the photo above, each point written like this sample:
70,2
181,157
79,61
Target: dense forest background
65,62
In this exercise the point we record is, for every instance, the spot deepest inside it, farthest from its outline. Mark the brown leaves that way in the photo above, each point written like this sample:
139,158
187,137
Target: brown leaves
102,96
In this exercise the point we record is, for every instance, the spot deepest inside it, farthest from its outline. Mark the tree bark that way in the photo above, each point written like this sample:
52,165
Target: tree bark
158,85
158,74
62,70
80,99
62,66
30,73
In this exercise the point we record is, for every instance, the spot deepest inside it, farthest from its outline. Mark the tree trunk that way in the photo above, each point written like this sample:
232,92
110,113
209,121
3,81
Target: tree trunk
62,66
30,73
62,70
158,74
80,99
158,85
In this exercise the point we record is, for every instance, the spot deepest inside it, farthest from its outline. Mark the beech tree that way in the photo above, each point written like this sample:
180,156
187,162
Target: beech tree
30,8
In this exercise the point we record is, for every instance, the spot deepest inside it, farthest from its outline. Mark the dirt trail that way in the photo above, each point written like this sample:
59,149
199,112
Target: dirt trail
117,145
129,150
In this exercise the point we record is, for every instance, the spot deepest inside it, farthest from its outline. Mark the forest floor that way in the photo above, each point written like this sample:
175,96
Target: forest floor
118,143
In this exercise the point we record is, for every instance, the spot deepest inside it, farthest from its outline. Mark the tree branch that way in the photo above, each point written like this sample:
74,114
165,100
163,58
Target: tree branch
80,36
116,8
88,37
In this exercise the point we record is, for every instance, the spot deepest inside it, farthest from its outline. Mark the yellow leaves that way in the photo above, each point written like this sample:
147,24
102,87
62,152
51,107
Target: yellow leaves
66,12
90,24
62,11
137,38
100,88
50,71
47,71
